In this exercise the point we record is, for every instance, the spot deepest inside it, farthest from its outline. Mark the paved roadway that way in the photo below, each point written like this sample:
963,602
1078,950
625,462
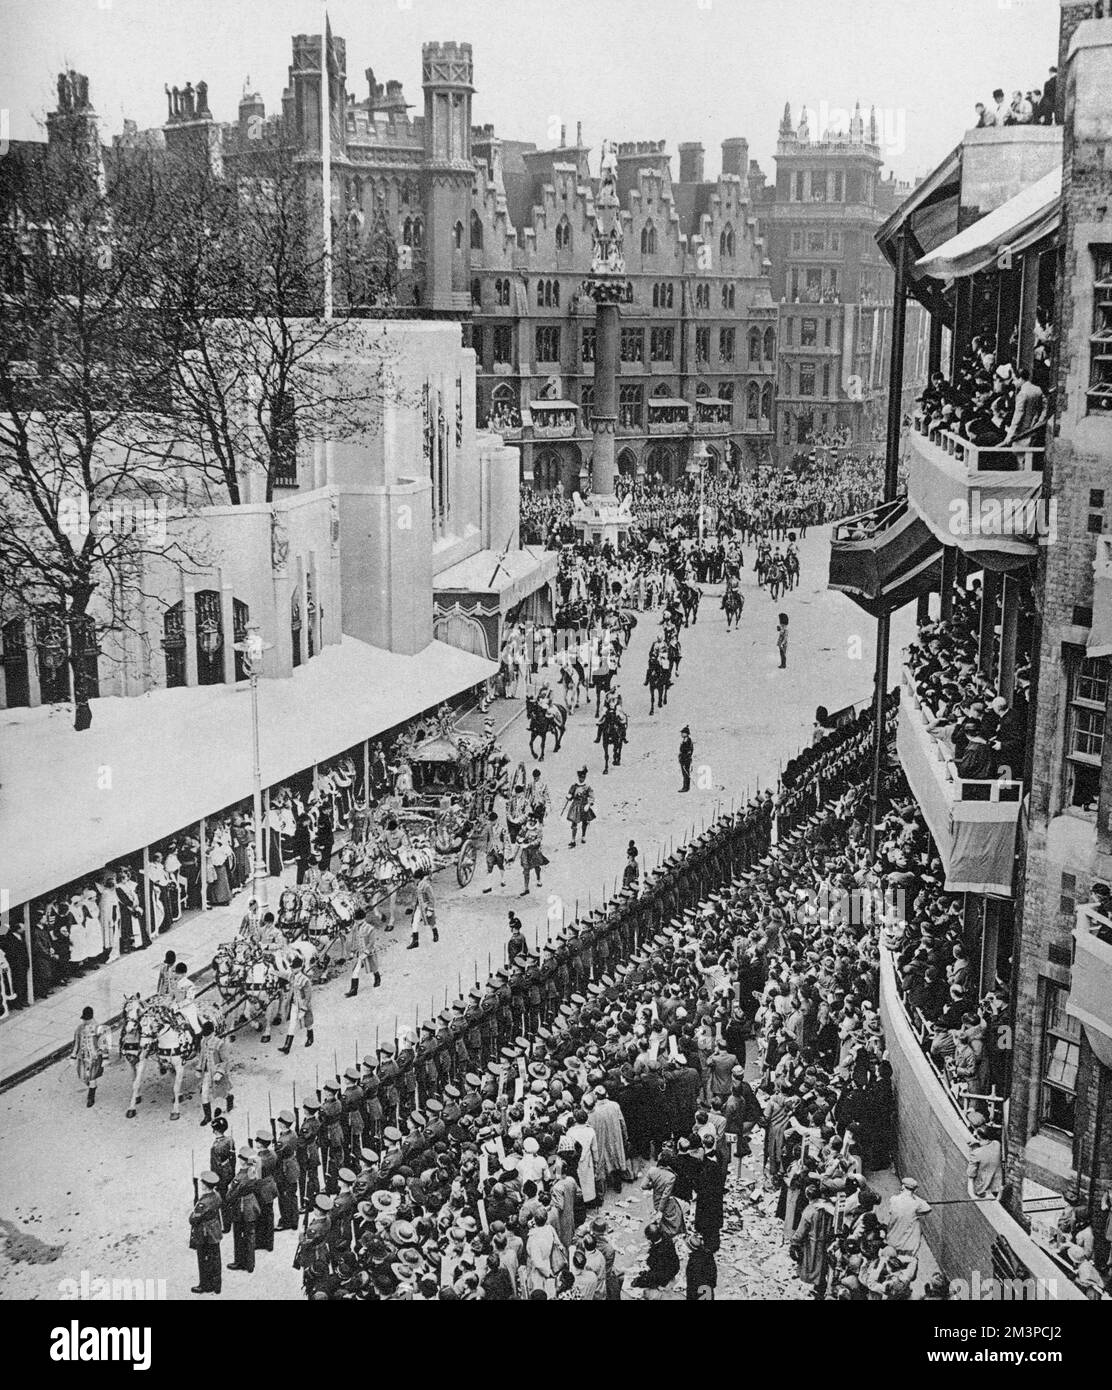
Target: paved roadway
91,1191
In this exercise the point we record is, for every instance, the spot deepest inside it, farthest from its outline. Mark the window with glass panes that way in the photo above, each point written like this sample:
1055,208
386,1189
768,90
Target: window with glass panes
633,344
661,344
808,331
588,344
1085,731
1061,1050
1099,394
631,406
702,344
806,378
503,343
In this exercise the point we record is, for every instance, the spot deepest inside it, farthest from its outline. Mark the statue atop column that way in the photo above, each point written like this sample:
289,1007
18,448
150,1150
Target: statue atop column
607,256
187,101
202,99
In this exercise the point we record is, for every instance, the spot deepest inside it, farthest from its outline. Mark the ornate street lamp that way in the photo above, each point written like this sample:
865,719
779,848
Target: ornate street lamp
253,650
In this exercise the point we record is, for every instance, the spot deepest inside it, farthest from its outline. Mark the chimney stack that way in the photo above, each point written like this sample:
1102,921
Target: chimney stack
735,156
691,162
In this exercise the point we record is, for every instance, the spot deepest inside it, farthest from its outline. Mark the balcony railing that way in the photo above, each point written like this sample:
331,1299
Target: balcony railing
987,458
1090,999
979,499
973,821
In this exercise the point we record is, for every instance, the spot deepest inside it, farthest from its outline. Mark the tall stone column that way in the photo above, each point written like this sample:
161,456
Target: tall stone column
604,418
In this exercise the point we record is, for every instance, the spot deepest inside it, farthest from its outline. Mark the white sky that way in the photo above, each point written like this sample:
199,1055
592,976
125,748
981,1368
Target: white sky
628,69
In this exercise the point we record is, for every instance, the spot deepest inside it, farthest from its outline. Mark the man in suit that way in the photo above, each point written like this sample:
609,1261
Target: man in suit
205,1230
242,1206
687,753
302,848
325,837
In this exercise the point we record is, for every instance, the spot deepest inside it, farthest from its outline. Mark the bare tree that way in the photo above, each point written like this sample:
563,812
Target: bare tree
83,503
239,274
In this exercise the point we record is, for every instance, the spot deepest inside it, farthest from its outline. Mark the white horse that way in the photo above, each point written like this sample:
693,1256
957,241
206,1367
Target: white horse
157,1026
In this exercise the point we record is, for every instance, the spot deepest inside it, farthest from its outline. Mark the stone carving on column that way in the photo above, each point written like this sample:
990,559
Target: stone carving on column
279,543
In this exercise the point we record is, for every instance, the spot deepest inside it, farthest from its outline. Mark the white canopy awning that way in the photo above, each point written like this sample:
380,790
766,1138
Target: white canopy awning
1013,226
513,576
153,764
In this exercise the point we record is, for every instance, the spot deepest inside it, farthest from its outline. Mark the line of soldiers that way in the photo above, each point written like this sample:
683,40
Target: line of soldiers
348,1140
393,1110
361,1127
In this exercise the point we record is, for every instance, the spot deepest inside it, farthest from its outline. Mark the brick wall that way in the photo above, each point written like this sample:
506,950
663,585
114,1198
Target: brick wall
1078,457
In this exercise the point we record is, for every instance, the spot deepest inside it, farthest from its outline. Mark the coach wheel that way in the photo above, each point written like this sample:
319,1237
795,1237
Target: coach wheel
465,863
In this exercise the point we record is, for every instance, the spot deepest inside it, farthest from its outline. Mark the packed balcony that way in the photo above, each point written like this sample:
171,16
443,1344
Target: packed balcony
974,821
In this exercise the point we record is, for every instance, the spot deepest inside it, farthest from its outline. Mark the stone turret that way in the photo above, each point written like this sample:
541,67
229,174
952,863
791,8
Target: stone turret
446,76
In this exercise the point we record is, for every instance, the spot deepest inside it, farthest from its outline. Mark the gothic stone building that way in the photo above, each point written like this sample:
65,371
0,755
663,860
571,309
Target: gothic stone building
699,329
819,220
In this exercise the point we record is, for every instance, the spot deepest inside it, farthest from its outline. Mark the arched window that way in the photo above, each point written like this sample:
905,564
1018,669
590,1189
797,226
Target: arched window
754,345
173,645
17,684
766,401
648,239
476,231
546,472
726,241
661,461
656,296
459,236
540,294
210,637
627,463
476,292
556,293
671,294
662,390
587,402
563,234
295,627
407,232
769,345
702,390
752,401
418,232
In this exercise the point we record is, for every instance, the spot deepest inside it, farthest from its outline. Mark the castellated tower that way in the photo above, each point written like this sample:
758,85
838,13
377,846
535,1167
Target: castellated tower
446,73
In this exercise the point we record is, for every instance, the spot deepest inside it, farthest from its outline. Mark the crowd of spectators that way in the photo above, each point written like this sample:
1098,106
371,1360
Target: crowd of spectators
1033,107
983,732
991,402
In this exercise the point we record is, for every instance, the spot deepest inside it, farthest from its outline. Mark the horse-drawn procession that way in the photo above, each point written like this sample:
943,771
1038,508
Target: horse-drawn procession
434,819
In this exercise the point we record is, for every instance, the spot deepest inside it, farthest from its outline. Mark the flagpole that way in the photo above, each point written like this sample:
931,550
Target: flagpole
326,164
